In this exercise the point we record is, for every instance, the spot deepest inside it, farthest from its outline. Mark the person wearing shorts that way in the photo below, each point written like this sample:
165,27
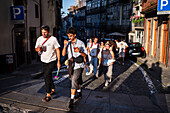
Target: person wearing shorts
75,47
122,46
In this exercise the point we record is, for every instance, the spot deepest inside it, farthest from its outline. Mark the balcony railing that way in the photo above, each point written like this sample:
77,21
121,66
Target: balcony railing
88,25
140,24
149,4
136,2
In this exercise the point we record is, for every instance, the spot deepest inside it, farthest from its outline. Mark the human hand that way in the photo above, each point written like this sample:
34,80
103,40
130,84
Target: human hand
58,65
65,42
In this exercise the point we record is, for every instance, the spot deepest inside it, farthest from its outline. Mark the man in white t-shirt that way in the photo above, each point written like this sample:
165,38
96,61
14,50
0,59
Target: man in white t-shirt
48,48
122,46
94,51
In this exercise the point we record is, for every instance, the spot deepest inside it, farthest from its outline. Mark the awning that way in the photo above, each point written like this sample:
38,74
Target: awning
115,34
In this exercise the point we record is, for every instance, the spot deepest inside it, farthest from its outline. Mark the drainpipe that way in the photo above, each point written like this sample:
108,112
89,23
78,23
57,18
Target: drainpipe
168,57
40,15
28,56
12,31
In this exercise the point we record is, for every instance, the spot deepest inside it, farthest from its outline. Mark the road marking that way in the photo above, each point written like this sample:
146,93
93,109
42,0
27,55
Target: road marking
60,71
36,73
151,86
121,78
8,78
61,79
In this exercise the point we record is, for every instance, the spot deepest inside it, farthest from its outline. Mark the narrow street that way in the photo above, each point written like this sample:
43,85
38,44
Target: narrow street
128,92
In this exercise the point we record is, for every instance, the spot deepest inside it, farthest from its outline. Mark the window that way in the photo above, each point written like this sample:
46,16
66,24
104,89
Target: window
89,5
36,11
92,5
99,3
95,4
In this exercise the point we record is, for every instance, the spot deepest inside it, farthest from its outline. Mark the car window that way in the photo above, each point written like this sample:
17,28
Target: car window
135,45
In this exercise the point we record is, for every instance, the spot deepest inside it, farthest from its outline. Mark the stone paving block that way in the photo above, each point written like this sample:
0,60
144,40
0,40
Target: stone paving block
5,102
92,108
34,90
57,111
5,105
29,108
143,102
85,108
122,111
167,97
98,97
120,99
36,100
85,95
161,99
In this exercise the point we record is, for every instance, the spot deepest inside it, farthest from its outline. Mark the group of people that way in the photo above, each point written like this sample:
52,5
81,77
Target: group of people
99,55
103,55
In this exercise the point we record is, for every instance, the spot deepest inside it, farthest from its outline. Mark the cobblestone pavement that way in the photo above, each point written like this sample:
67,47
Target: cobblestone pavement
127,79
128,92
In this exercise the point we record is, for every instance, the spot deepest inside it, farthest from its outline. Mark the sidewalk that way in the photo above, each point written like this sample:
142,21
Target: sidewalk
157,70
28,100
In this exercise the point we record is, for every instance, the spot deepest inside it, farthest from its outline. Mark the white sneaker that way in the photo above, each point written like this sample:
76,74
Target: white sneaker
88,73
106,83
110,80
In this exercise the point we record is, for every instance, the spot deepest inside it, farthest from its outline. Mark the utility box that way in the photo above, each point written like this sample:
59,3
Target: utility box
9,62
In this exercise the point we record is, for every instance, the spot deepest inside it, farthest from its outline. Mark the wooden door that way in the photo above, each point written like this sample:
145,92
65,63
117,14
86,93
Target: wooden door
149,29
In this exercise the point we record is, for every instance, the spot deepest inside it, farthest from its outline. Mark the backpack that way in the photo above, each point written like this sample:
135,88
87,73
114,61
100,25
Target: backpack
97,45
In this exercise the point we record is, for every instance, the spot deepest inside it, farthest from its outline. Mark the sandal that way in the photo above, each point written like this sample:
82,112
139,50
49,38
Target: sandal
46,99
52,93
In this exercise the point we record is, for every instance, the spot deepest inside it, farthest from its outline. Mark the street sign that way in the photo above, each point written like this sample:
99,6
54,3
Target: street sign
17,12
163,7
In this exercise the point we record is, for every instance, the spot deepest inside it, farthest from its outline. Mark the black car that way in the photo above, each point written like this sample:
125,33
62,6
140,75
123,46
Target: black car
135,49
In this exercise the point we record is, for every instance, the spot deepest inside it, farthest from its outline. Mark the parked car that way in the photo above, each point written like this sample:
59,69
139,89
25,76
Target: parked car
135,49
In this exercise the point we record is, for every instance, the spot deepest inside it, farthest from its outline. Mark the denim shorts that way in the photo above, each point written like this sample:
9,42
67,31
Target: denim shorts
77,78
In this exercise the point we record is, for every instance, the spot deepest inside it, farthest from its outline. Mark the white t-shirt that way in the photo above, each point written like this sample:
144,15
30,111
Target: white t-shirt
82,47
93,49
122,46
51,45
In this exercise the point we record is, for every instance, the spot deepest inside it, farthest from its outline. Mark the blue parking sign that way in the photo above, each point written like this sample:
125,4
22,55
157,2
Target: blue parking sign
17,12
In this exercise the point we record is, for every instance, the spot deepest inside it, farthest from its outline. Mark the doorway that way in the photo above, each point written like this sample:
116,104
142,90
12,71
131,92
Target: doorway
20,48
33,37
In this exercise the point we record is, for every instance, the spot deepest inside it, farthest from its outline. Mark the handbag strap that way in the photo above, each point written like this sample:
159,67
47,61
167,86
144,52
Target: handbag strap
45,41
71,49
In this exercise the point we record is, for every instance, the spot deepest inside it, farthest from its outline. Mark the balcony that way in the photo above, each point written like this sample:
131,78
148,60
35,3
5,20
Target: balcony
139,25
149,6
94,11
89,25
136,2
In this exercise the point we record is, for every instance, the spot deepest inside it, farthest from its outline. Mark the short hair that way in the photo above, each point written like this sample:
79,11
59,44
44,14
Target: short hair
45,27
71,30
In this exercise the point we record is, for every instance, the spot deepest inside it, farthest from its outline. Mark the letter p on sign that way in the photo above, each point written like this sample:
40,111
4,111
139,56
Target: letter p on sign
17,12
163,7
164,3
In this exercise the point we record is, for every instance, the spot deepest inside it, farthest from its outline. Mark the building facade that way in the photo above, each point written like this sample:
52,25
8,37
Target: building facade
137,23
93,17
80,3
80,22
107,16
156,37
118,15
20,26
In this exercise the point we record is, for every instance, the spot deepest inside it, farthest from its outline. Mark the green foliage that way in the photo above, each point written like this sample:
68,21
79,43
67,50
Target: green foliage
137,19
